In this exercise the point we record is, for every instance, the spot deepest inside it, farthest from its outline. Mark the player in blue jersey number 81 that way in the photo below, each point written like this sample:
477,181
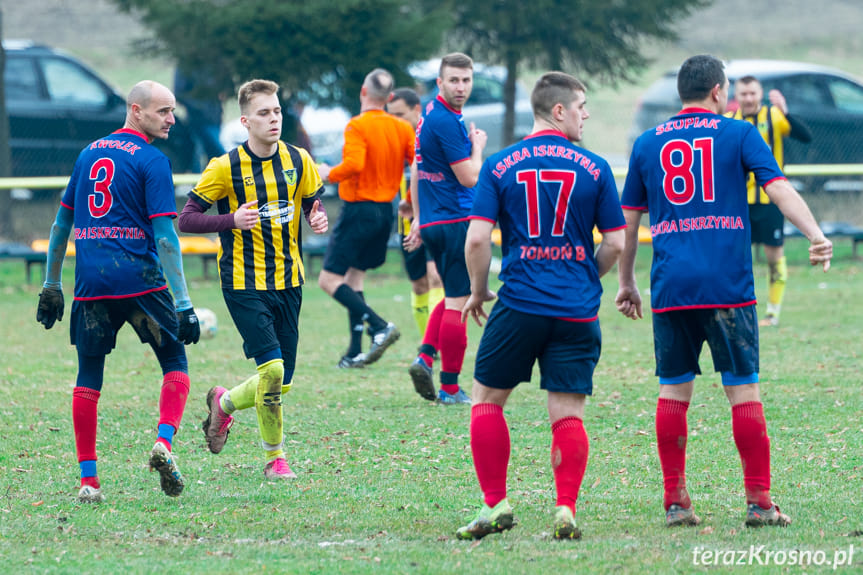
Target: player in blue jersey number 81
690,174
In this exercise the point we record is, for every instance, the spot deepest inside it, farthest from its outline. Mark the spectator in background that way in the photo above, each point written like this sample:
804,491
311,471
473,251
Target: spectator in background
774,123
202,93
377,146
426,286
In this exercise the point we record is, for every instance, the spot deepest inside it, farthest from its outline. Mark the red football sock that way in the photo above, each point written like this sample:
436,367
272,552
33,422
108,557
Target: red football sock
569,449
172,400
750,435
91,481
85,416
453,341
432,334
489,444
671,435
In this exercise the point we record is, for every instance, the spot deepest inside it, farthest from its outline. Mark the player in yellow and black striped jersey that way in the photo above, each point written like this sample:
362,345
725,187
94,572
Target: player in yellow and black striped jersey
266,257
426,285
767,222
260,189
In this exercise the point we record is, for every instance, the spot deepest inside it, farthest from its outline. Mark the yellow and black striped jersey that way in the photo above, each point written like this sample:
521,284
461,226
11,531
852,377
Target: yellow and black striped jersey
267,257
773,126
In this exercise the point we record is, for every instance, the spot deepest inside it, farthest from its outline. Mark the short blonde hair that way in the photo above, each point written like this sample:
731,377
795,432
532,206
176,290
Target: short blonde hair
252,88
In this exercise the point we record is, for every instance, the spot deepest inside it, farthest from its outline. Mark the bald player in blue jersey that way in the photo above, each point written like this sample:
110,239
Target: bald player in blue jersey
120,202
547,195
690,174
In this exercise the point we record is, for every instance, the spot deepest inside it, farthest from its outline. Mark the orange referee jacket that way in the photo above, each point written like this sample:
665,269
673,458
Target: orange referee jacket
377,146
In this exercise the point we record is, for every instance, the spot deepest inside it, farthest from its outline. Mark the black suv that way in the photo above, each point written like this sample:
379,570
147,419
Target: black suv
829,101
57,105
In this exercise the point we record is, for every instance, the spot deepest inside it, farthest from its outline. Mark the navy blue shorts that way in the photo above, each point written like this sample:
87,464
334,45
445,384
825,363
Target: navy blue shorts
767,224
513,341
360,237
416,262
731,333
94,323
267,320
445,243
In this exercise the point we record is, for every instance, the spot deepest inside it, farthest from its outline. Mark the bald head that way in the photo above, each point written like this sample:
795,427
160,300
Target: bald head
150,109
377,85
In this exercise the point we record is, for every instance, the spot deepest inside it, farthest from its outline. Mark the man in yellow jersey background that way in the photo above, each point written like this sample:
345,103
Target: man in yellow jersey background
259,189
426,286
774,123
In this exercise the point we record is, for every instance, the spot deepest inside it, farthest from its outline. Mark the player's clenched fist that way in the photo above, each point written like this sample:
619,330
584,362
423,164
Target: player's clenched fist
190,327
246,215
50,308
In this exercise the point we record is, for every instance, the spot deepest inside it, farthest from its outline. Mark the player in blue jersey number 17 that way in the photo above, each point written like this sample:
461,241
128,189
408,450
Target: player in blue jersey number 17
547,195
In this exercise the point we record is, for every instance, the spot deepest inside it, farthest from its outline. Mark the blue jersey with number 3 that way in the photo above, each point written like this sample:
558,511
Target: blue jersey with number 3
119,183
690,174
547,195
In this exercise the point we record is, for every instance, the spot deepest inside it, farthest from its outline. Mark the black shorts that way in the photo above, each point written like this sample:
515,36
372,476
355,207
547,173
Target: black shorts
360,237
416,262
731,333
94,323
267,320
445,243
767,224
513,341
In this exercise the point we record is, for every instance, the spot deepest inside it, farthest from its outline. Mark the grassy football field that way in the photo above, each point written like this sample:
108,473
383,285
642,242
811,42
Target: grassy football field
385,478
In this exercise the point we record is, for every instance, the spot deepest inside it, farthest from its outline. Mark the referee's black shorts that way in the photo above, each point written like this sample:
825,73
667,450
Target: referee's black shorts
360,237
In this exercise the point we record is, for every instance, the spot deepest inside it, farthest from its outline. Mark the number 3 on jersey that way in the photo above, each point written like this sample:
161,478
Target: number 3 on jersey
677,158
100,199
531,180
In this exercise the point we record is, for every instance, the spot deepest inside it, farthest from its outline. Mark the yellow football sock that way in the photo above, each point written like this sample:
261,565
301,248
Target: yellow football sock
435,297
776,286
420,306
268,405
243,396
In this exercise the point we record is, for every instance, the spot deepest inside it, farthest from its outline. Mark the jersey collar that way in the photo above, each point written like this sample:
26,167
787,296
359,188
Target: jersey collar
132,132
252,154
695,111
549,132
440,99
